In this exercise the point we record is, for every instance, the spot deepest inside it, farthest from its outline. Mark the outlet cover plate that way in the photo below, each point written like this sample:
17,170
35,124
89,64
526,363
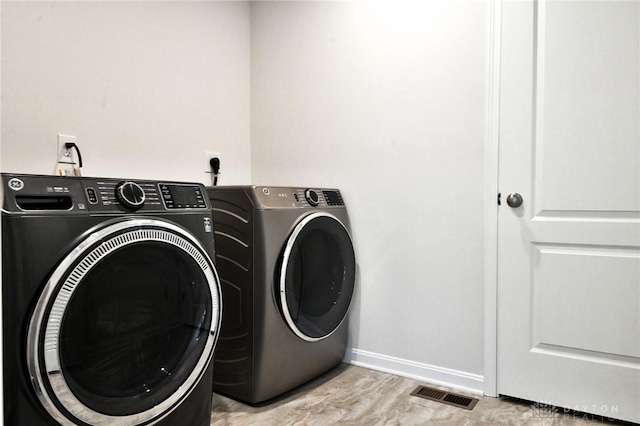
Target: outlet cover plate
208,155
63,139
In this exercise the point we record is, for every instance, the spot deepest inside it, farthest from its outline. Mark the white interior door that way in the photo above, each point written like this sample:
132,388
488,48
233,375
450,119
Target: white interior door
569,256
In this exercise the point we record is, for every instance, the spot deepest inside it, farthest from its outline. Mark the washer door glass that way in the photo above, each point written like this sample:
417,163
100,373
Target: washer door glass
317,276
128,328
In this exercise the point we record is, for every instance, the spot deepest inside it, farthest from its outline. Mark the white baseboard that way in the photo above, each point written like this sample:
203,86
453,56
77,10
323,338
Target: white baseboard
433,374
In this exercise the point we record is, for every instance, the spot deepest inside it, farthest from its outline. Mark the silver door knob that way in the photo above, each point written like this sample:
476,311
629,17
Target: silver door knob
514,200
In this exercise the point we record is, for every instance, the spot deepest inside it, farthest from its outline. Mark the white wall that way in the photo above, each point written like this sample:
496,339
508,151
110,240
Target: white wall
387,101
147,87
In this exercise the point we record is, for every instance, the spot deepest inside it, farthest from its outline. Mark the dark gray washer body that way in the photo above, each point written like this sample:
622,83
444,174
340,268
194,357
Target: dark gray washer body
38,238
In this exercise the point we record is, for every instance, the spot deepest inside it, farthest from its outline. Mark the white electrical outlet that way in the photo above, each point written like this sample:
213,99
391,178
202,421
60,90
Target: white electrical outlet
65,154
208,155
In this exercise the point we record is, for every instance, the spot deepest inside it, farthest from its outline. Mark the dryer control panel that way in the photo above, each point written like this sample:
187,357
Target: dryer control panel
31,193
287,197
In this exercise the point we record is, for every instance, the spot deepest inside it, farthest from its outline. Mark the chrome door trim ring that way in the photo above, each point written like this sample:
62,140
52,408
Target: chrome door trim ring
126,232
283,272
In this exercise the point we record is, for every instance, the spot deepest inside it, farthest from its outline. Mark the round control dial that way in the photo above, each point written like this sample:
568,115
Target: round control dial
312,197
130,195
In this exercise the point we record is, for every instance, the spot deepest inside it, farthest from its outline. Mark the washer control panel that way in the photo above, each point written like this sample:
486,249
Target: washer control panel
147,195
107,194
183,196
28,193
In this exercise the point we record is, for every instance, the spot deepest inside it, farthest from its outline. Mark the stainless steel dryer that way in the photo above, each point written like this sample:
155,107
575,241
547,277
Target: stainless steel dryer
287,268
111,304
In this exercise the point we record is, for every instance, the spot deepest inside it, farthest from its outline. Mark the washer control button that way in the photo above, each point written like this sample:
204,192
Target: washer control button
130,195
92,196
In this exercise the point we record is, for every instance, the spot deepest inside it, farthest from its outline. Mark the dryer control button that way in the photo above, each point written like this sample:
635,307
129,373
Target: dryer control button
312,197
130,195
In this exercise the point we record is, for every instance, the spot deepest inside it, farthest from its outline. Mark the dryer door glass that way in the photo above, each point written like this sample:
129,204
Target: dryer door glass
317,276
130,325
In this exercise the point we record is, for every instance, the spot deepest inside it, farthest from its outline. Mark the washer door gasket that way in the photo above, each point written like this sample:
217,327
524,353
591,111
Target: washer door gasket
125,326
317,276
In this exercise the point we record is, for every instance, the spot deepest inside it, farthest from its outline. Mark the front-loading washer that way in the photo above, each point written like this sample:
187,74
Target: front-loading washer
287,270
111,302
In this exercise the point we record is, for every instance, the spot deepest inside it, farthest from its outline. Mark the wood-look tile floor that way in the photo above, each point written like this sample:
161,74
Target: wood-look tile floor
350,395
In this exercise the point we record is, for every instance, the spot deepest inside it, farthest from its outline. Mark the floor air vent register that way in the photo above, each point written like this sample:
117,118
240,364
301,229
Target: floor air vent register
445,397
